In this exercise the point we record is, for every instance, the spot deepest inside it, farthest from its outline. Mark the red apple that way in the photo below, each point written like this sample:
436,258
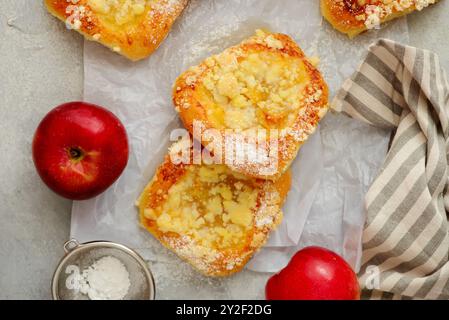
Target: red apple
314,274
80,149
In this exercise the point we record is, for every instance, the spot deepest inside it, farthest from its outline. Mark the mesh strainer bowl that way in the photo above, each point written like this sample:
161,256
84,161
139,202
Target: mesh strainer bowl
81,256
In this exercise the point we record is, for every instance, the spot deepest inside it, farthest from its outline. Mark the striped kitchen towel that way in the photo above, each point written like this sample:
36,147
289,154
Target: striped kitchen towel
405,240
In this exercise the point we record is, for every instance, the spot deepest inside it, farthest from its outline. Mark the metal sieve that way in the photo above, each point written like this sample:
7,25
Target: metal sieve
81,256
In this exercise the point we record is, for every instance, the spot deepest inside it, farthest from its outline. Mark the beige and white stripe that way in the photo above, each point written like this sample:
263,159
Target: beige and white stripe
406,239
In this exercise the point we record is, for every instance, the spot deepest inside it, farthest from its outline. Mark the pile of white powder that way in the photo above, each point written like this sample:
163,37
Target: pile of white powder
106,279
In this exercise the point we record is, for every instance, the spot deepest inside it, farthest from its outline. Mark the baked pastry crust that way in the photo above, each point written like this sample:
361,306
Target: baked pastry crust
264,83
211,217
132,28
353,17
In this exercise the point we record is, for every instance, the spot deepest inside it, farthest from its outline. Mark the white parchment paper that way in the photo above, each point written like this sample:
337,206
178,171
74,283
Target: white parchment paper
330,176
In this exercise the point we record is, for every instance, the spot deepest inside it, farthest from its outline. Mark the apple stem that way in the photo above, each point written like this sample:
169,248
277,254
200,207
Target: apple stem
75,153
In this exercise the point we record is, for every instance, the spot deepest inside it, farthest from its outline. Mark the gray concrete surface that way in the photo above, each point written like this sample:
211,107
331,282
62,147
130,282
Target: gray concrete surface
41,66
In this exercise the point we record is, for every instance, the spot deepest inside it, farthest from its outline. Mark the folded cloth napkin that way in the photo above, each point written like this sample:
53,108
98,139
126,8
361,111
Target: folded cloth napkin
405,240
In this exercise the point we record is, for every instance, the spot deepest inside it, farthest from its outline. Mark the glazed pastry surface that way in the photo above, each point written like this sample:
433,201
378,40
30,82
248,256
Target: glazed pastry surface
353,17
264,85
132,28
211,217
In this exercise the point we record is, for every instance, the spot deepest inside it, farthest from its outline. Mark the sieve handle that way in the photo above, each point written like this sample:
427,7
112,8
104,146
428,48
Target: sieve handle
70,245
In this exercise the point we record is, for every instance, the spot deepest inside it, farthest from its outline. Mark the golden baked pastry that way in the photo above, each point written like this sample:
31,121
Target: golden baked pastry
210,216
356,16
132,28
264,85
